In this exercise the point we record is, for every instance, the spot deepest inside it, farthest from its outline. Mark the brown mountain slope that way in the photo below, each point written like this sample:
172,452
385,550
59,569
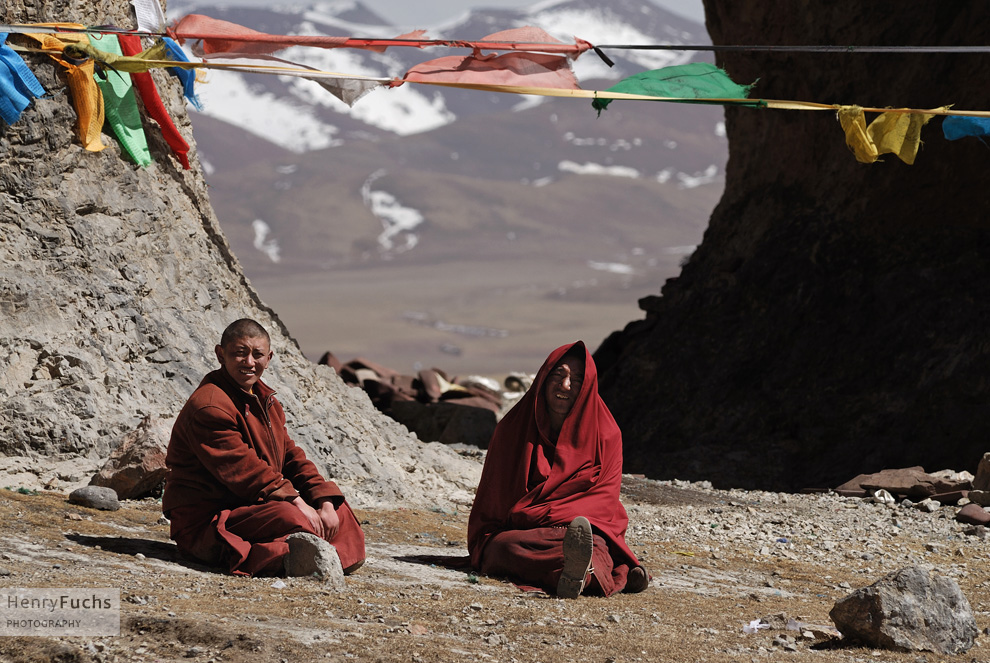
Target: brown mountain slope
508,237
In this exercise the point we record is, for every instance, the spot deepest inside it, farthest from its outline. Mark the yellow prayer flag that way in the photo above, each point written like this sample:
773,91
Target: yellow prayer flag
894,132
853,122
899,134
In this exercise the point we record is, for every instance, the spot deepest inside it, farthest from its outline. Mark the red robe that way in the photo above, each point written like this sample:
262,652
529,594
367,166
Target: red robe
233,471
529,483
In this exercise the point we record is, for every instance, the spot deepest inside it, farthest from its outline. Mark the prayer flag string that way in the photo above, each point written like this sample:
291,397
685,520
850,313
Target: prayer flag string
535,64
187,28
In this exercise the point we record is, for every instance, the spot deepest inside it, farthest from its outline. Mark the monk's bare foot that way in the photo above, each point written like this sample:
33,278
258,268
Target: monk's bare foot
309,555
637,581
578,546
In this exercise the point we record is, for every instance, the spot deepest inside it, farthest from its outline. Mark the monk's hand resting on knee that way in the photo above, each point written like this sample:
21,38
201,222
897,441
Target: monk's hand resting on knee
315,521
331,521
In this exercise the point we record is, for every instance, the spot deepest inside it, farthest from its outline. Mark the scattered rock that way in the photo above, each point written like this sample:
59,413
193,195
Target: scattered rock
95,497
973,514
136,468
981,497
908,610
911,482
309,555
979,531
982,479
496,639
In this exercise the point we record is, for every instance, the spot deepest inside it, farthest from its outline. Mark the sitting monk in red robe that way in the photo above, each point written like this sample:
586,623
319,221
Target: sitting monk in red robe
238,486
547,511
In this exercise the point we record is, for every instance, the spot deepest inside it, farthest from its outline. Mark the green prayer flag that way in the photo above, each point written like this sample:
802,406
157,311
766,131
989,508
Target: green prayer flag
698,80
121,105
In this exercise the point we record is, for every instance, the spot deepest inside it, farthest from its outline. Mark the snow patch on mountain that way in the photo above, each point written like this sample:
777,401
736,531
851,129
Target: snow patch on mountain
405,110
597,169
297,114
611,267
602,26
263,241
527,101
615,146
707,176
398,221
229,97
327,14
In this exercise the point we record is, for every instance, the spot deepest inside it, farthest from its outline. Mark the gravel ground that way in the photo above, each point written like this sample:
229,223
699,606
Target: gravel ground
719,559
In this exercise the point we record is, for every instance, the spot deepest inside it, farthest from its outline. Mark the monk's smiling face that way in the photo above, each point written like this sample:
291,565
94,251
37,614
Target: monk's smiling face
245,360
562,388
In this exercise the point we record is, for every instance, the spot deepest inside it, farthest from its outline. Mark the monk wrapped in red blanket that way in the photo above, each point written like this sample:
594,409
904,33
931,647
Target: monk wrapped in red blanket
238,486
547,513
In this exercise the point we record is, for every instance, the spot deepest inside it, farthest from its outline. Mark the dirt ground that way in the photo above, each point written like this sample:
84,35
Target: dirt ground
397,608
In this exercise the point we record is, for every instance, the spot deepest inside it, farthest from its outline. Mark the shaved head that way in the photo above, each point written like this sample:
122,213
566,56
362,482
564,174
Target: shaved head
243,328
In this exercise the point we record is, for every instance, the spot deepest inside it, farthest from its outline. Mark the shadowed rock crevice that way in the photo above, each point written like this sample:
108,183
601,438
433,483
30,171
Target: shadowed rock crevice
833,321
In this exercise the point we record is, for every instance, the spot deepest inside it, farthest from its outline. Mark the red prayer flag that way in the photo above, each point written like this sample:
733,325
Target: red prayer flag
131,45
226,37
519,69
525,69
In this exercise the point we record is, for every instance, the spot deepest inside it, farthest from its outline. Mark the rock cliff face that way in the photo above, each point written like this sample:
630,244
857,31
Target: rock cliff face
115,282
834,320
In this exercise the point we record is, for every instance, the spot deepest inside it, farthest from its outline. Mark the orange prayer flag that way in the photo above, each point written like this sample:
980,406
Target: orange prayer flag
87,98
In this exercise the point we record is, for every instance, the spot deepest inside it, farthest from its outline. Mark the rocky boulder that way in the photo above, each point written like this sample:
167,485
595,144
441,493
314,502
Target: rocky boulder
912,609
833,320
136,468
115,283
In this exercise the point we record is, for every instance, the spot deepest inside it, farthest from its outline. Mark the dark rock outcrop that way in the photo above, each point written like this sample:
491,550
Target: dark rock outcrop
833,321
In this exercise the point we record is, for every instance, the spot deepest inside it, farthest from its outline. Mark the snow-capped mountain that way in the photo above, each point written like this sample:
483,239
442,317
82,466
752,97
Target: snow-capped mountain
298,115
466,209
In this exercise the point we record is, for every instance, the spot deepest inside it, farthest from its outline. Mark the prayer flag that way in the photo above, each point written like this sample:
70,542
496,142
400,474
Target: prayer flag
346,88
87,98
186,76
121,105
897,133
955,127
131,45
150,15
17,84
698,80
518,68
219,36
